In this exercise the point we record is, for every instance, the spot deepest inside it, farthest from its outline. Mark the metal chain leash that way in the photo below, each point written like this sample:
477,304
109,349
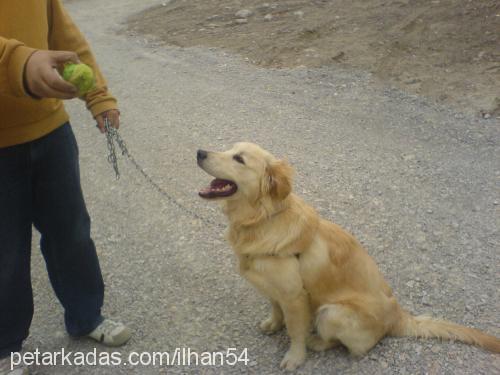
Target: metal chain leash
113,136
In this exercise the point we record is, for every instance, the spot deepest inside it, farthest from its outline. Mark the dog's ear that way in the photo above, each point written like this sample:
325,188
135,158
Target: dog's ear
278,179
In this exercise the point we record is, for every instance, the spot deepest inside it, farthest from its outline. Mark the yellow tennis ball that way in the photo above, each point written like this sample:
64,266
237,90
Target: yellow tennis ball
79,75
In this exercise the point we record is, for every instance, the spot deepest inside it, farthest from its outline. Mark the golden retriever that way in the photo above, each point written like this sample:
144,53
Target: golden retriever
315,274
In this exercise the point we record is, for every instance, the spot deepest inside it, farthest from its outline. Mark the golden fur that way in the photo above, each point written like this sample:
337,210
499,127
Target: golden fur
315,274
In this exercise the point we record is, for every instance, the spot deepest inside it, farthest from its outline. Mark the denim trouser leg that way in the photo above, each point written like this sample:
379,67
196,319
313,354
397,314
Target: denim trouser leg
52,200
16,299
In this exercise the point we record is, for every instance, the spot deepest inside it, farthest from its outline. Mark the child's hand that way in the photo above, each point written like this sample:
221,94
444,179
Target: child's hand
113,115
41,78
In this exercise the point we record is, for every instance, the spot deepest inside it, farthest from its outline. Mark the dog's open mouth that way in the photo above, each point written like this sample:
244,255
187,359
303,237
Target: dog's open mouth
219,188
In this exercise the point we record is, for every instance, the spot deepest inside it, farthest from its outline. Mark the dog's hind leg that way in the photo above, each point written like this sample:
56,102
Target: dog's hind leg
317,344
355,329
275,322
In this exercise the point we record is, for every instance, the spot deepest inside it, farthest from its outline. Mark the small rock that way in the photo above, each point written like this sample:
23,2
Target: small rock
243,13
495,203
299,13
268,17
426,301
435,349
241,21
429,211
410,284
408,157
215,17
60,334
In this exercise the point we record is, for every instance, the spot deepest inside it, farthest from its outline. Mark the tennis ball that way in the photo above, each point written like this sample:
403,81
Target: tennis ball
79,75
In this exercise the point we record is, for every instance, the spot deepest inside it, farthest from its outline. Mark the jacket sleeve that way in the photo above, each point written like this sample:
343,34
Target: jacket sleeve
13,57
64,35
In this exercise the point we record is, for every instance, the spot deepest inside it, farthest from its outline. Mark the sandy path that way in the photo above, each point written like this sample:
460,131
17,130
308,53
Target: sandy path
418,186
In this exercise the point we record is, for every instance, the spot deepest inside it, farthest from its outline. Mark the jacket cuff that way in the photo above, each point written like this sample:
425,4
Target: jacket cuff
16,67
100,107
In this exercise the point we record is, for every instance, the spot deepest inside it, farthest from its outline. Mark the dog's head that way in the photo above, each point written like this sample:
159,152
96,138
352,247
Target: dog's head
245,172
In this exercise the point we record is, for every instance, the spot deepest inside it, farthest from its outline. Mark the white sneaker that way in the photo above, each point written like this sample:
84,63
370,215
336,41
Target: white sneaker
5,368
111,333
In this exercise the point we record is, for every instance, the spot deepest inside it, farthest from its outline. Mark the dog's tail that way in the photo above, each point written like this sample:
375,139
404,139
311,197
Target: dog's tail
427,327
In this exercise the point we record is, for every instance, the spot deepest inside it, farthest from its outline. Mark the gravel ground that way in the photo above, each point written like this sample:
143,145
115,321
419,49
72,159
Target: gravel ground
416,182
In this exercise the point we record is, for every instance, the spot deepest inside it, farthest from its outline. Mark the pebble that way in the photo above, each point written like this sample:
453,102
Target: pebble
268,17
420,237
299,13
243,13
383,364
214,17
241,21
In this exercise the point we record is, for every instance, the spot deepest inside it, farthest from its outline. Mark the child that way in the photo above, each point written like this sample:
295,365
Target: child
39,174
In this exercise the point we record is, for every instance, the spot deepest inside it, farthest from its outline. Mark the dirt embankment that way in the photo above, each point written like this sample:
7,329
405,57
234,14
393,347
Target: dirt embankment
445,49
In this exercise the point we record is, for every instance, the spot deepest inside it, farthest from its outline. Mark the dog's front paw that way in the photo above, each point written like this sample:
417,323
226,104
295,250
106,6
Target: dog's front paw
293,359
270,326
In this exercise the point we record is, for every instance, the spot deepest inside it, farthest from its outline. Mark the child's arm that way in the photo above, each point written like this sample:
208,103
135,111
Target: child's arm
13,57
65,35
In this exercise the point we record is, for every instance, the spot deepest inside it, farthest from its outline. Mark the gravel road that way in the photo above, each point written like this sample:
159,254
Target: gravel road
417,183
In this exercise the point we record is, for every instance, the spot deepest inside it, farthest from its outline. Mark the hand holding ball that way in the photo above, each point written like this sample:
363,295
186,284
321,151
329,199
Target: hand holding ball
79,75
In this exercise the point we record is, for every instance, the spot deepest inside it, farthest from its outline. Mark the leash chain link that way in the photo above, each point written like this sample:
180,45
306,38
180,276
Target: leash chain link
113,136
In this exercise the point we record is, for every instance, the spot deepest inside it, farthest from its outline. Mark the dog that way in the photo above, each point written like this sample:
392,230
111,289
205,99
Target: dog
315,274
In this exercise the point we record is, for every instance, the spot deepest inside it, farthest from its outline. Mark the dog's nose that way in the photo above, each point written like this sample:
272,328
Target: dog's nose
201,155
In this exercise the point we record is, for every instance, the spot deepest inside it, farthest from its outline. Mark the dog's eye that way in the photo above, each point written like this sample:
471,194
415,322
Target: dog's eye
239,159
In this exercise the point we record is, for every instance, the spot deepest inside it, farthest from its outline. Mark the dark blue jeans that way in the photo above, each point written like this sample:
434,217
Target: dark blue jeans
40,185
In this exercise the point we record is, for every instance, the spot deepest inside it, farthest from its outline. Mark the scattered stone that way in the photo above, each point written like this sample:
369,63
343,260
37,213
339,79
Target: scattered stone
299,13
426,301
410,284
338,56
243,13
241,21
383,364
268,17
215,17
408,157
421,238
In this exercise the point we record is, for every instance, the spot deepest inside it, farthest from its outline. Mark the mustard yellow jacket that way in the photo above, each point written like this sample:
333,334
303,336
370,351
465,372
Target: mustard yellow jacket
27,26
